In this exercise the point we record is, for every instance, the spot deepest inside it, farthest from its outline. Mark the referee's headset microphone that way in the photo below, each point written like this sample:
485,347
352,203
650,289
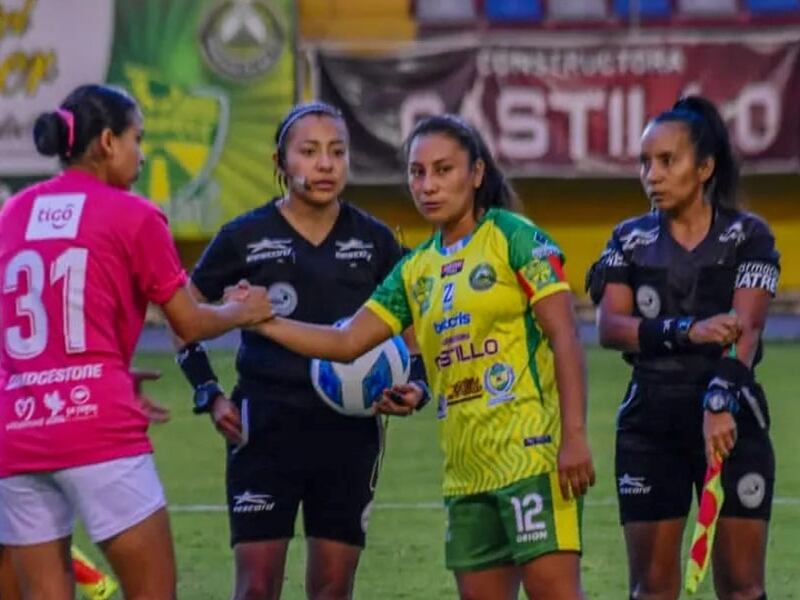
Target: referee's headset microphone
299,182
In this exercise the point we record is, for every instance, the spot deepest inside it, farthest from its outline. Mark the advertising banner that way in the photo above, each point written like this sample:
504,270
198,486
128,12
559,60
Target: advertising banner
213,79
568,106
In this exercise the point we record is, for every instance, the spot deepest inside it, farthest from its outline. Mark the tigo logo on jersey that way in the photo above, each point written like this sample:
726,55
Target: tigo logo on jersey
55,217
482,277
461,318
452,268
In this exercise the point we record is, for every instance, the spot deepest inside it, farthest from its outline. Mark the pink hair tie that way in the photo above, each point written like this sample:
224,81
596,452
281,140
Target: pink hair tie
69,119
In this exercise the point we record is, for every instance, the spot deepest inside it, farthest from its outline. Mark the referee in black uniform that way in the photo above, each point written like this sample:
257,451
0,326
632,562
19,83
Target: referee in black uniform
320,258
683,292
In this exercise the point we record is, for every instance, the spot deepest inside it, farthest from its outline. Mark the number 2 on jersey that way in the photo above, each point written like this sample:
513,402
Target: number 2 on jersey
69,266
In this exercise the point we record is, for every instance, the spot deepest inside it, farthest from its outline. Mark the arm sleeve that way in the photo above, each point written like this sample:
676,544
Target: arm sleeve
757,260
218,267
156,266
390,302
612,267
390,253
538,263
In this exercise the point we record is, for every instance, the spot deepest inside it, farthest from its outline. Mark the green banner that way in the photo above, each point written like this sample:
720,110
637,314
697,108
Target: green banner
213,79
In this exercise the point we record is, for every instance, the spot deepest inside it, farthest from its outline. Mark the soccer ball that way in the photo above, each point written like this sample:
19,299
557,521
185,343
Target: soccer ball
352,388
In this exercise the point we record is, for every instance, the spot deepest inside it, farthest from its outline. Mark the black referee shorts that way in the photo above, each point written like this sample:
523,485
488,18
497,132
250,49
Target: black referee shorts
660,456
293,455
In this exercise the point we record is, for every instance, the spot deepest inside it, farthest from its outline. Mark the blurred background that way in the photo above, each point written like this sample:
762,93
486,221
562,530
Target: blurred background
561,89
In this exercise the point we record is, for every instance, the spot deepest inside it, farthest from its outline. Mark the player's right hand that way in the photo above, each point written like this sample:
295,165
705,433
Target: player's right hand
723,329
226,419
254,305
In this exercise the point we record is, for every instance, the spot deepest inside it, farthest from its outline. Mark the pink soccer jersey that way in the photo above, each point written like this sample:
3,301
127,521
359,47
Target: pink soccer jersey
79,262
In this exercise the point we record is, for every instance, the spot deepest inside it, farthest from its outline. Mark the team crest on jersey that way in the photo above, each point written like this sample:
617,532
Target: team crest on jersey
498,381
354,249
283,297
55,217
421,292
734,233
482,277
648,301
269,249
639,237
539,273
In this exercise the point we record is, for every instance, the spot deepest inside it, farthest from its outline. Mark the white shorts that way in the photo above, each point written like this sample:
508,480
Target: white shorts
109,497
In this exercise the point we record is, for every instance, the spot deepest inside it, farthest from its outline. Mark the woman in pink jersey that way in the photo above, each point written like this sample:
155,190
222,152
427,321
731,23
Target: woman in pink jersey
80,259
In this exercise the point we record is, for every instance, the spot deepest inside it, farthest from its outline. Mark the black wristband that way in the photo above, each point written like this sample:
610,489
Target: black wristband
426,392
193,361
664,336
416,370
725,386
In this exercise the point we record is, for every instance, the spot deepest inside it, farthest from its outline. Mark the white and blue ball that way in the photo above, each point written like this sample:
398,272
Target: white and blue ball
352,388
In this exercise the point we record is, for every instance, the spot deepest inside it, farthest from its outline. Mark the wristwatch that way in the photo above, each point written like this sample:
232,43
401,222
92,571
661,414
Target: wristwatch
204,395
717,400
682,328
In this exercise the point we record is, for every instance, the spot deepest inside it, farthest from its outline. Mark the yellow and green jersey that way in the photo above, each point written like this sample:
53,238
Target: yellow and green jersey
489,365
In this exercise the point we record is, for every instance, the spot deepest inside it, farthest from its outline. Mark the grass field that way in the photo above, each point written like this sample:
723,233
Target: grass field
404,555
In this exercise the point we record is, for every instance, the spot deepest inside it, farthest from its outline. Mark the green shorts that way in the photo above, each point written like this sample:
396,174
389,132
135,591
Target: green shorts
511,525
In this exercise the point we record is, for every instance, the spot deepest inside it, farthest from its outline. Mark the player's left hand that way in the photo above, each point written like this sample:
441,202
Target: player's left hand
575,469
719,433
399,400
154,411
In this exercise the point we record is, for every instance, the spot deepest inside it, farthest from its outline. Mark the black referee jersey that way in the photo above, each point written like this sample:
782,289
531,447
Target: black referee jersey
315,284
668,280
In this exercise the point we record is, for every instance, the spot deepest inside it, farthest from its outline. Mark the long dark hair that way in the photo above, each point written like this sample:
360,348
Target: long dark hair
495,190
81,117
710,138
298,112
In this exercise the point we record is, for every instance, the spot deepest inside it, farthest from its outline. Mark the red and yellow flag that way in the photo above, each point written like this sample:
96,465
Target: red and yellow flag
91,581
707,516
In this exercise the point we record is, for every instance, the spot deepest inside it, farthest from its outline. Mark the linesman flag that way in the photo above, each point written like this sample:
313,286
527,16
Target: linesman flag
707,516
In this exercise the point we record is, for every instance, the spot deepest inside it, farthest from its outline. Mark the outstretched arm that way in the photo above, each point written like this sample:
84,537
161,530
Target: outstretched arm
341,344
